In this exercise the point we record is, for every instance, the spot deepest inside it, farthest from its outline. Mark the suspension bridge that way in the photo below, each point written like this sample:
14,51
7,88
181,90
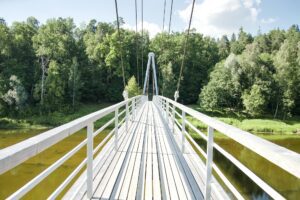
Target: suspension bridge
150,152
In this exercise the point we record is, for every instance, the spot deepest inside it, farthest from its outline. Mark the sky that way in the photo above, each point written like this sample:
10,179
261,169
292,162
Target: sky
211,17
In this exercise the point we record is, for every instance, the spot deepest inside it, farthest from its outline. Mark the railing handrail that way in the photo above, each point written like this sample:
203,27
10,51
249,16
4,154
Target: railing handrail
284,158
14,155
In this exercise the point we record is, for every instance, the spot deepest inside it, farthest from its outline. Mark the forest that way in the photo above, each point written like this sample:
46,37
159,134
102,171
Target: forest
59,66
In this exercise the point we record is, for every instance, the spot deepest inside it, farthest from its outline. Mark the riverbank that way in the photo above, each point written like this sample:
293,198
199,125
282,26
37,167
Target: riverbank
50,120
262,126
265,127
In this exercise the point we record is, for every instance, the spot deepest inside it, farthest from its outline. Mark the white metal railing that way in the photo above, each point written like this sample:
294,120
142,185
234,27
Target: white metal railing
16,154
287,160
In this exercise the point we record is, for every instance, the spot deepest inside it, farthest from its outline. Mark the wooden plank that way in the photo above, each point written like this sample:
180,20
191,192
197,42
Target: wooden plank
164,186
169,176
141,176
172,173
162,169
156,176
135,179
148,170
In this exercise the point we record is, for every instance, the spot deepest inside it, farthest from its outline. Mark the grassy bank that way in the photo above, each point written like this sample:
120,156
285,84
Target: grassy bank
50,120
264,126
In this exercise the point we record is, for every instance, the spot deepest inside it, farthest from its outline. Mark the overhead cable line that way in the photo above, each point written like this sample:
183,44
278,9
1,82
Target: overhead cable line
119,35
184,52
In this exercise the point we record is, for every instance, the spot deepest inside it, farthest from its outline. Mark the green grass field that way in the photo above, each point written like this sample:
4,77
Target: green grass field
53,119
262,126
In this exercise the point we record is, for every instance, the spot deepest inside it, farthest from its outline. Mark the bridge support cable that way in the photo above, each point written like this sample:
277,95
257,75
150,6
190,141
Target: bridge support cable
176,95
120,43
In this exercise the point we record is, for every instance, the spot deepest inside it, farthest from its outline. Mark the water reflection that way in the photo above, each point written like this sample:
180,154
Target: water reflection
281,181
12,180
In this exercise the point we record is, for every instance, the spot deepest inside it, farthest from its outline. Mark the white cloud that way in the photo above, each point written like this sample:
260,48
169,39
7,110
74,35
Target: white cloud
218,17
268,20
152,28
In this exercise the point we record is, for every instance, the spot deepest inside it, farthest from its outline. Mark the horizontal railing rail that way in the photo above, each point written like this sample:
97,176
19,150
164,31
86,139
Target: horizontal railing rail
14,155
286,159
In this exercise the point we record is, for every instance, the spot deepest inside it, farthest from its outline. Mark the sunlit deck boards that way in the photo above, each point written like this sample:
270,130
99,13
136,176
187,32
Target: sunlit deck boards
148,164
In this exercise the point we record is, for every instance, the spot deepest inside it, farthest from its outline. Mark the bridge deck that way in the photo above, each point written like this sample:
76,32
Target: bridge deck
148,164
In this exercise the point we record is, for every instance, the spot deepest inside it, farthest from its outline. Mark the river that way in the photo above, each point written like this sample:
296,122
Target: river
17,177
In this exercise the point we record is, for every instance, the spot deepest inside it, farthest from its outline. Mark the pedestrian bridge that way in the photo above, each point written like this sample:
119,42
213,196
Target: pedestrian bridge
149,154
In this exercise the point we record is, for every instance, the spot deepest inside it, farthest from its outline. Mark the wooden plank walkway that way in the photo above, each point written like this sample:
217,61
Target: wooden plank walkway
148,164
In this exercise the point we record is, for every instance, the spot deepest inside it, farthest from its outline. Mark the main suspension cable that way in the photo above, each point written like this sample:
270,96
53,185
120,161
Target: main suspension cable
185,45
142,6
119,36
137,46
163,28
170,20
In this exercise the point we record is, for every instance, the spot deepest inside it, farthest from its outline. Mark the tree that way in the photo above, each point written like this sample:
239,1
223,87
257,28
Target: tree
255,100
16,96
132,87
221,91
224,47
288,70
55,46
238,46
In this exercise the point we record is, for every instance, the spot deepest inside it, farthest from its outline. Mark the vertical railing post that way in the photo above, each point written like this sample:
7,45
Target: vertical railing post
165,108
167,113
127,115
209,162
183,132
133,108
173,118
116,128
90,130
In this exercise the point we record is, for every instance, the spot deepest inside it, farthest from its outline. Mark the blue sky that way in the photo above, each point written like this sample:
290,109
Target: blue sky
211,17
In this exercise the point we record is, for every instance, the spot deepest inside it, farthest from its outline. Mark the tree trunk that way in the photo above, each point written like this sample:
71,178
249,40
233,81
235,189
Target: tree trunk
44,62
275,114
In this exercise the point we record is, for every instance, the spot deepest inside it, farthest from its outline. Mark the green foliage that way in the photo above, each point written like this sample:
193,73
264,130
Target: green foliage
287,67
169,48
223,89
264,75
16,95
57,66
132,87
255,100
